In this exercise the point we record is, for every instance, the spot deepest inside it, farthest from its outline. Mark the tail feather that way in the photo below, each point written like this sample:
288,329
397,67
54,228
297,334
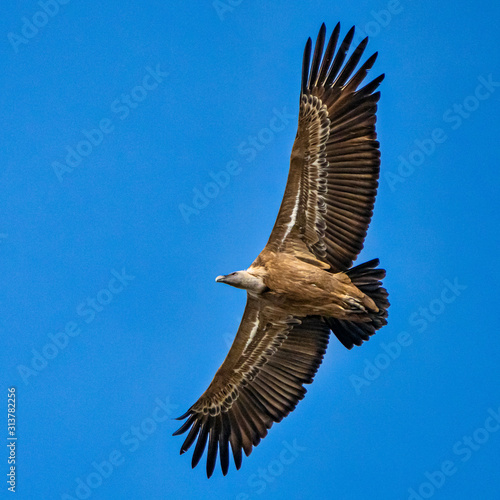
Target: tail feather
367,277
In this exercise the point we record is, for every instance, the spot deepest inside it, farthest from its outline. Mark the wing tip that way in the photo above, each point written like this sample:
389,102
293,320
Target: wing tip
305,65
350,35
185,415
362,46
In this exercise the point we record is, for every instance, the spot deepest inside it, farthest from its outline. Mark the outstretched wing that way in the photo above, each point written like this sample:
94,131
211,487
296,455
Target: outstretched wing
334,167
260,382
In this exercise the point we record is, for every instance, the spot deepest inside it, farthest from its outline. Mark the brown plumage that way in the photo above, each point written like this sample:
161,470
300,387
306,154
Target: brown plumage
302,285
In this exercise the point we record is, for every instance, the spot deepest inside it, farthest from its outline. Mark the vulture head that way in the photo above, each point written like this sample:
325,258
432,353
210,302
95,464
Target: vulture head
244,280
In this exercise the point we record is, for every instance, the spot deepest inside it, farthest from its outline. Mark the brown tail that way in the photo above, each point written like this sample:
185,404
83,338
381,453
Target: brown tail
368,279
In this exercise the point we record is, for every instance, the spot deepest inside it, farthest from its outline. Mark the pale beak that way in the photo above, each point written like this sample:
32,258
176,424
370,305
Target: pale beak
220,279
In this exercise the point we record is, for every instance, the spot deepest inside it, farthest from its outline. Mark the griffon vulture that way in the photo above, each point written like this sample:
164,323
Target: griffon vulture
302,285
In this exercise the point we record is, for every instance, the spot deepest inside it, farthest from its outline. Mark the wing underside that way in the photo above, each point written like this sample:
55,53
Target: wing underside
334,166
260,382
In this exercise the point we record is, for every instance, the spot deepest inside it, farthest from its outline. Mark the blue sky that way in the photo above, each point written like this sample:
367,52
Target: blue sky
115,117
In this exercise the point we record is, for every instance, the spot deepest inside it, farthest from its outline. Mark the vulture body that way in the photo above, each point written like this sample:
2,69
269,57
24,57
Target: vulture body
302,285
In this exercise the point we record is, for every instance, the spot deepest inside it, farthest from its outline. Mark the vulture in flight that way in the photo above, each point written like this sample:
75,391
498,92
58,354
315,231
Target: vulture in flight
302,285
